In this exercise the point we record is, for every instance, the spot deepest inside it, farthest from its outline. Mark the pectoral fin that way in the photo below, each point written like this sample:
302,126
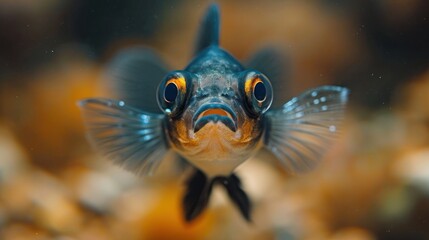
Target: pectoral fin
303,129
130,137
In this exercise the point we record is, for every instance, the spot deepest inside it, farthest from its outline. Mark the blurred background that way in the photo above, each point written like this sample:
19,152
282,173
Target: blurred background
373,184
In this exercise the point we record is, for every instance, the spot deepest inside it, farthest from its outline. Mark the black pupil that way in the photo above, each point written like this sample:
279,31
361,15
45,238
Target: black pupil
170,92
260,91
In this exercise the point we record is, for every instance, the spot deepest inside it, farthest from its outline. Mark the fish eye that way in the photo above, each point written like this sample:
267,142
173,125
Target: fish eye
257,92
260,91
170,92
173,92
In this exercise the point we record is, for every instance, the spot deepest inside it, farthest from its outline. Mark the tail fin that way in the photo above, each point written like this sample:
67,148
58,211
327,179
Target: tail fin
209,30
200,187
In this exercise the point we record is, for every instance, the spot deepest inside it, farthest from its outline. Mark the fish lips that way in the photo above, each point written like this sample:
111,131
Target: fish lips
215,112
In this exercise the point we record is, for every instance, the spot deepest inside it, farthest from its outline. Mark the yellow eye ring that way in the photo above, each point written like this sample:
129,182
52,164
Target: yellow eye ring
173,87
257,92
179,81
253,84
173,92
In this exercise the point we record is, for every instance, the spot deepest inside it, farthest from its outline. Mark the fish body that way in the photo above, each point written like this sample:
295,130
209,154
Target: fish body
215,132
215,114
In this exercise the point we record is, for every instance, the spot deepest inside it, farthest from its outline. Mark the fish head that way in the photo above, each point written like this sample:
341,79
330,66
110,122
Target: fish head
215,114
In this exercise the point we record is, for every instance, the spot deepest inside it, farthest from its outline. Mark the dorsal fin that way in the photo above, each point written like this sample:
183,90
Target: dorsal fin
209,30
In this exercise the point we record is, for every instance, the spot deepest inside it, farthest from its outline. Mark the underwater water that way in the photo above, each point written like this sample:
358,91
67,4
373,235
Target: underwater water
372,184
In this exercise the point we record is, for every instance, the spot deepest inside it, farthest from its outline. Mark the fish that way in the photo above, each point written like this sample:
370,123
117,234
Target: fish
213,115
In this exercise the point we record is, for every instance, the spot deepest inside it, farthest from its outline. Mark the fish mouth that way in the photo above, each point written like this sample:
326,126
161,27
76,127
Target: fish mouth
215,112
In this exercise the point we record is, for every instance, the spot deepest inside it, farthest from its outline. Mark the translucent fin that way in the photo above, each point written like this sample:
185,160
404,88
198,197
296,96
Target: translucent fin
274,64
131,138
209,30
300,133
134,75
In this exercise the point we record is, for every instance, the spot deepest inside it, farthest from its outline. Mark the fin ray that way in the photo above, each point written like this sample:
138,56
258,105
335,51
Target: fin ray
132,138
301,131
